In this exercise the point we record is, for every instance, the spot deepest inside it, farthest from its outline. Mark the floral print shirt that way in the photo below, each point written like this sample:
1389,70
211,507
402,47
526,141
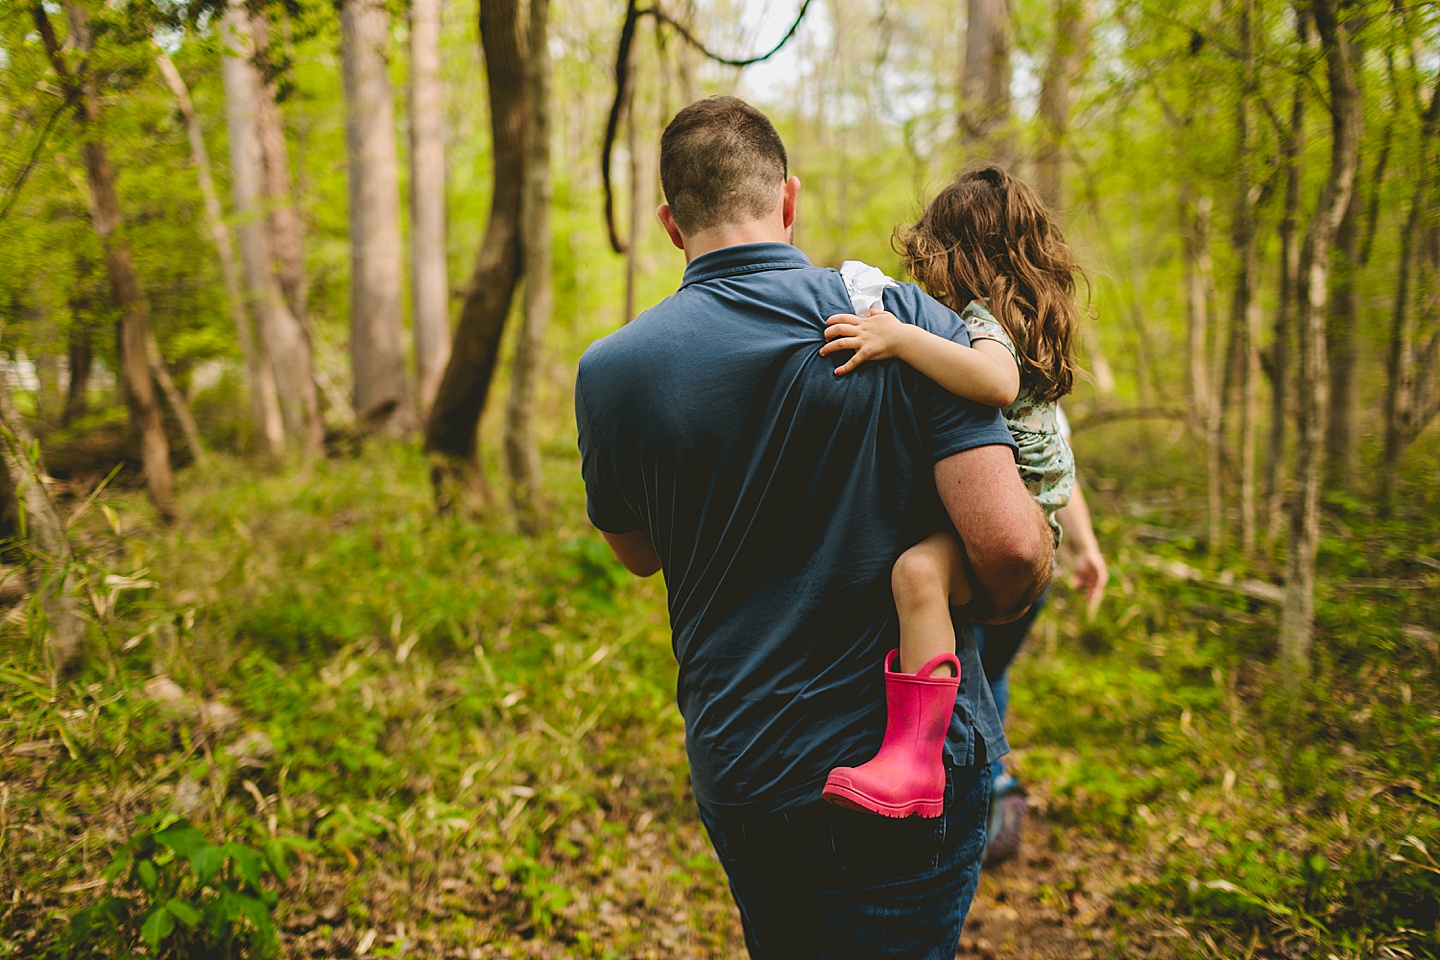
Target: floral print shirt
1046,462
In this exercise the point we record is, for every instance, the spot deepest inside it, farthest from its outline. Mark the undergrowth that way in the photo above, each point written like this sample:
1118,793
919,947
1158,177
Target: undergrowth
466,740
1271,824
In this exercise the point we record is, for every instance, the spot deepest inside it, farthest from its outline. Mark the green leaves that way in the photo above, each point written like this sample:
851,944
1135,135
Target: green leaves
183,912
156,928
196,898
206,862
147,876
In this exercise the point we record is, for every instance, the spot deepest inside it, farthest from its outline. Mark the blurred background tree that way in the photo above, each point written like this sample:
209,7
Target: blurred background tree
1253,183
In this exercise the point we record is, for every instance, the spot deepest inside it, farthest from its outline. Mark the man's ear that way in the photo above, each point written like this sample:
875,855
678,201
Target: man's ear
791,198
668,222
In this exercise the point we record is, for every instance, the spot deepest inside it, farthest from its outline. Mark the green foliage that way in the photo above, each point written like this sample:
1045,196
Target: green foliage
1256,816
182,896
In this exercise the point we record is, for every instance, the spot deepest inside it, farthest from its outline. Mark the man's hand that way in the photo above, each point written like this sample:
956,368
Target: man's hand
634,551
876,337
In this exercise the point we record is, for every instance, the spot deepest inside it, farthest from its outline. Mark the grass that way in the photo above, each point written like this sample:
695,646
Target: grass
1271,824
470,735
467,739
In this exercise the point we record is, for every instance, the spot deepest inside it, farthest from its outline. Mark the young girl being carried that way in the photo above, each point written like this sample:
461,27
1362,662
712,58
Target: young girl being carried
987,247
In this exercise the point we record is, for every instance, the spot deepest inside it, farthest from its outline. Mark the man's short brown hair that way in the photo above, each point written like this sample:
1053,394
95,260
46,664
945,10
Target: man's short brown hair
721,162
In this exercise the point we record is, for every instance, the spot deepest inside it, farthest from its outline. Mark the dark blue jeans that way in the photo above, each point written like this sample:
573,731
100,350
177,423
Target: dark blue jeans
829,883
998,646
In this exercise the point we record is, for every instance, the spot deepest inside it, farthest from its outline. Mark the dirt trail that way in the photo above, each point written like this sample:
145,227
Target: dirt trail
1052,902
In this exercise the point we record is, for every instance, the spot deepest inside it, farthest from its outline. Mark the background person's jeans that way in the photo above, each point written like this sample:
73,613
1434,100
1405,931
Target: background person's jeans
998,646
829,883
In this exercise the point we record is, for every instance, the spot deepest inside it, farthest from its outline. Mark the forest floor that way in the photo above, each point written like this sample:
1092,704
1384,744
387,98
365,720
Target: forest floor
409,735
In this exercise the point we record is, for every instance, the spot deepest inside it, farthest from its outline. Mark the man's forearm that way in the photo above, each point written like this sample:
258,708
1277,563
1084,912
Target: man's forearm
1006,588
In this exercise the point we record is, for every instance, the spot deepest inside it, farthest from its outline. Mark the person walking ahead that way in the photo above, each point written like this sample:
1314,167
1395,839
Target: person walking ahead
718,445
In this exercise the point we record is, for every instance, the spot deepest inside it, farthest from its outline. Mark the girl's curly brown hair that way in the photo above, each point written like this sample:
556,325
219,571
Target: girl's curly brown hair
988,236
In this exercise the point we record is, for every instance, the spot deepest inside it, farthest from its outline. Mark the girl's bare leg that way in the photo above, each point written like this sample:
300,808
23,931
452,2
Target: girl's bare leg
928,580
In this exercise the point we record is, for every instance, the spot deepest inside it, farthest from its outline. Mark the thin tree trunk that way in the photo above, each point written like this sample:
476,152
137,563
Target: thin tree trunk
521,452
291,351
1204,336
220,234
189,429
1067,54
1286,297
1297,617
275,325
51,563
81,361
1245,318
1399,359
120,265
1197,314
1342,420
429,280
632,147
985,81
1341,319
377,352
452,430
286,242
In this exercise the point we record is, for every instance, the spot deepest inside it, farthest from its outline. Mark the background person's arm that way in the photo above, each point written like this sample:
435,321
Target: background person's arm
634,551
1091,574
1006,536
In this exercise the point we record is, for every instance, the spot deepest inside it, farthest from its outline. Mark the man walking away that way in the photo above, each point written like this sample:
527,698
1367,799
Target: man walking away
719,446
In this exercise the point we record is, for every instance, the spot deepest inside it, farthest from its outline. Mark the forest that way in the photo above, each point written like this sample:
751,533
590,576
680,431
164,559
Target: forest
308,649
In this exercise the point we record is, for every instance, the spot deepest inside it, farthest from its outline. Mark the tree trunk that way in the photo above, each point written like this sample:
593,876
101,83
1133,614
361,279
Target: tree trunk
1297,618
120,265
377,352
1067,54
189,429
285,240
451,432
521,451
1399,360
1290,151
1204,336
220,234
632,147
985,81
1245,318
276,326
1197,313
429,280
1340,334
51,562
81,361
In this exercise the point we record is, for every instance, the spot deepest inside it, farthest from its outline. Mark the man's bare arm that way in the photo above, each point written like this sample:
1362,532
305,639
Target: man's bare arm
1005,533
634,551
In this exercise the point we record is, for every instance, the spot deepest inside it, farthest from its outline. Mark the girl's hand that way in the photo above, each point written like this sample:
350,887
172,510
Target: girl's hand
876,337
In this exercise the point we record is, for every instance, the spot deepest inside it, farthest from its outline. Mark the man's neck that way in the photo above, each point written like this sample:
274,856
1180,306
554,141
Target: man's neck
733,235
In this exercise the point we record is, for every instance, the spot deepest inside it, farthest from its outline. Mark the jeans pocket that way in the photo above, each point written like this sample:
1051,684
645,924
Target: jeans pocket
871,849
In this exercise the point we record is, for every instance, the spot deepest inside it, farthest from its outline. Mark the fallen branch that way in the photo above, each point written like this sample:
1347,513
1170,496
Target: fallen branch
1101,417
1178,570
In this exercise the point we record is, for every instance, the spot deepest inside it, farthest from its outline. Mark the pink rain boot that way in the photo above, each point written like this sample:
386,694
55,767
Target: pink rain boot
907,776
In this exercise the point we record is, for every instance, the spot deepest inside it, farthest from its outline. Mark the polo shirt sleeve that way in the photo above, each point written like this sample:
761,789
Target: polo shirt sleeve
606,507
948,424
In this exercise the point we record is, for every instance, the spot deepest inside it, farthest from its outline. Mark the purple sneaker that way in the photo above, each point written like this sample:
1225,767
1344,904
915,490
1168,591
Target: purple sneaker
1007,814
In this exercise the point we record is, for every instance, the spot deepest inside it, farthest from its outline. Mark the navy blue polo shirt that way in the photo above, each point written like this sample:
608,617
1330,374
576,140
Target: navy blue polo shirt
778,497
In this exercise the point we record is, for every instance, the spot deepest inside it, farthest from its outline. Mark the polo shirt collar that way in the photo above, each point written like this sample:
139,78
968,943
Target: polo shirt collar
744,258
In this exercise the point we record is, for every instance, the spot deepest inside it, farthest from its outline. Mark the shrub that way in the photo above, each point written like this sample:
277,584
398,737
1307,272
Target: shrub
182,897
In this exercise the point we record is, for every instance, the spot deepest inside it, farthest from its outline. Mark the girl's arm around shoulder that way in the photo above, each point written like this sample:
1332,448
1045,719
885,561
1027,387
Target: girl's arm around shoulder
984,372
